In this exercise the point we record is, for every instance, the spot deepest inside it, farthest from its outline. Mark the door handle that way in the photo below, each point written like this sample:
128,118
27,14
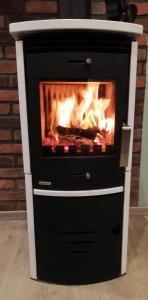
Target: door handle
125,145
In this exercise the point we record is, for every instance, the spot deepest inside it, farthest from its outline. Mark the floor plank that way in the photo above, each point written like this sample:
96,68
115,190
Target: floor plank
15,283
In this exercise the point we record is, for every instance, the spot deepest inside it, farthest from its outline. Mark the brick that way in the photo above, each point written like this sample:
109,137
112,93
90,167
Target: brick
17,135
5,135
13,195
10,148
4,81
4,108
140,93
7,66
16,17
11,173
7,161
19,161
13,81
12,205
1,52
139,69
20,205
10,122
38,16
7,184
98,8
139,108
142,7
11,6
10,52
2,22
5,37
8,95
135,171
141,82
142,21
138,121
15,109
144,68
136,147
36,6
133,201
20,184
134,197
15,6
134,182
136,159
142,40
138,134
142,54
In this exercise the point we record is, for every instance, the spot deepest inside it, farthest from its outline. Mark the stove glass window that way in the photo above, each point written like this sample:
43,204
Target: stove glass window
77,118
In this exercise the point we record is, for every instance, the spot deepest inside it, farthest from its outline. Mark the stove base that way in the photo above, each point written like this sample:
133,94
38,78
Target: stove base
78,240
77,284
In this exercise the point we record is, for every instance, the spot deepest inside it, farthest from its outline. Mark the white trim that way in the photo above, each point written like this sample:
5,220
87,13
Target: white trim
132,92
20,29
30,220
125,221
23,106
86,193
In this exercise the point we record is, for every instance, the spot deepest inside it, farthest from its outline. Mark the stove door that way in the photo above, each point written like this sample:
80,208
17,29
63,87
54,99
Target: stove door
77,105
78,239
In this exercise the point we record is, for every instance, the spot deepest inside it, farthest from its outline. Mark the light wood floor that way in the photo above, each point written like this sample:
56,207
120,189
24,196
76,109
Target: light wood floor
15,283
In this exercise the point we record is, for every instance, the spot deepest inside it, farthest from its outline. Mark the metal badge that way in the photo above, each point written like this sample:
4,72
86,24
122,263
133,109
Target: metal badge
46,183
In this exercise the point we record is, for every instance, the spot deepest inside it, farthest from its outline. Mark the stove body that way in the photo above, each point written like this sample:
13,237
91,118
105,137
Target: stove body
77,98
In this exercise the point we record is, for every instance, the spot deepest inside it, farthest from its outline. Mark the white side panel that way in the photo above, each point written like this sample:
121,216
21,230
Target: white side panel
125,221
18,30
86,193
132,92
22,103
30,220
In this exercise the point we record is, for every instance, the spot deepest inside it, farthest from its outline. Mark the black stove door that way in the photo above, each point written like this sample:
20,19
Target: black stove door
78,239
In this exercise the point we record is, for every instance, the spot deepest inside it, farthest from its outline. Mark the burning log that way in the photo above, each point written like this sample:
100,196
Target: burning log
74,140
84,133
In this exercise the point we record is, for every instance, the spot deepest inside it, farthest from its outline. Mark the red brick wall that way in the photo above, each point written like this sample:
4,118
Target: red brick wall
12,194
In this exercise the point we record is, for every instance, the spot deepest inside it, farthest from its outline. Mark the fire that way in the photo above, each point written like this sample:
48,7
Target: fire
106,124
65,111
71,112
78,106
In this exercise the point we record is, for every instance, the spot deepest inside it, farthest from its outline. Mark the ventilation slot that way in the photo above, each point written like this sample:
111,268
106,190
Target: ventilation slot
77,232
78,252
81,61
78,242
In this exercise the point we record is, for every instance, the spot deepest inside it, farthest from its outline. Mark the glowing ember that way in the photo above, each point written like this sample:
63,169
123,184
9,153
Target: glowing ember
66,148
73,113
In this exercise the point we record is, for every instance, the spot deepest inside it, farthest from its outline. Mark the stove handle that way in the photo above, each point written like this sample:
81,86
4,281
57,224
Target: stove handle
83,193
125,145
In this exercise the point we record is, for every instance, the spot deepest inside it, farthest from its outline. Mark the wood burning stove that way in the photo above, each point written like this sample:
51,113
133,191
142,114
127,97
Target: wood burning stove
77,91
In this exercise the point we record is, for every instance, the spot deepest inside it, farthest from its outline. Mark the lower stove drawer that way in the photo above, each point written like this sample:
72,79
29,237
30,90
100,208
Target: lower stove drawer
78,239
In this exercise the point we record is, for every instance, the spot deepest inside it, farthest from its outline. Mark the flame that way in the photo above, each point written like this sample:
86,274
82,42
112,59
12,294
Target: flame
76,105
87,113
106,124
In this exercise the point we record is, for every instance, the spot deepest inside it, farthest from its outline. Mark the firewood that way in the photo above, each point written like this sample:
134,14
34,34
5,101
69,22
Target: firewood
89,133
74,140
